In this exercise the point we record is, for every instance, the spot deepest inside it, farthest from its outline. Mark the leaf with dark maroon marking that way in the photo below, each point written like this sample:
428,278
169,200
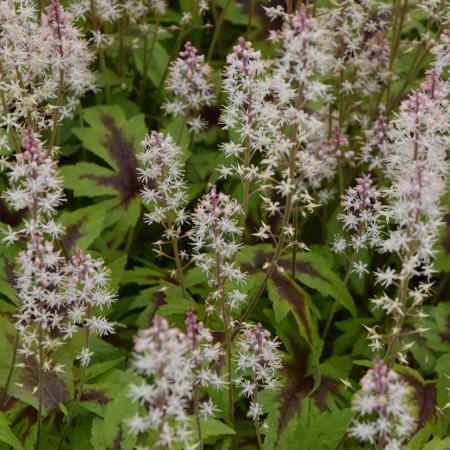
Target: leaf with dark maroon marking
25,387
293,403
287,296
311,270
84,225
116,140
424,398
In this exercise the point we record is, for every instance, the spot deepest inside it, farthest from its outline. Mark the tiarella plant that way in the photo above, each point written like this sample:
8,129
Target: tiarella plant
224,224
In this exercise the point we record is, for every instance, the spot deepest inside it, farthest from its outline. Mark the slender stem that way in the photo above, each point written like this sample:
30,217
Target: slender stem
245,183
40,388
389,357
218,30
251,12
148,53
121,46
286,216
421,54
294,248
273,264
397,32
256,422
245,199
79,393
289,6
180,274
144,70
226,323
96,27
180,132
59,101
197,418
74,407
338,298
105,75
10,371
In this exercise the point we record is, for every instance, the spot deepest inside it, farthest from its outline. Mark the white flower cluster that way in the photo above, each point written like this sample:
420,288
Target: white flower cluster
37,60
105,10
163,183
384,413
203,352
257,364
306,53
305,57
413,153
361,219
57,297
376,144
110,11
417,166
85,291
362,47
34,184
189,82
215,240
245,91
172,363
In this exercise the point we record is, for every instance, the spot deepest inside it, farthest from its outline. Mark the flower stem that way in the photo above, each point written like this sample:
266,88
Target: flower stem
338,298
40,388
251,12
180,274
256,422
227,332
217,30
148,53
79,393
273,264
59,101
197,418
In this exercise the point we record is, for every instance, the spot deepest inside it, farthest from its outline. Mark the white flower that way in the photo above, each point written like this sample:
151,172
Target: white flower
162,179
382,407
171,363
257,364
360,268
189,82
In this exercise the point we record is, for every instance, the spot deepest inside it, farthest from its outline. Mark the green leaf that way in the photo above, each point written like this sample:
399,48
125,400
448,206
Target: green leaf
111,429
84,225
6,435
235,13
158,63
115,140
287,296
315,271
84,179
214,427
438,444
310,429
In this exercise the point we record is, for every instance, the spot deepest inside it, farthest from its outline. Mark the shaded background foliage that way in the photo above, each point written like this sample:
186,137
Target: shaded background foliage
104,214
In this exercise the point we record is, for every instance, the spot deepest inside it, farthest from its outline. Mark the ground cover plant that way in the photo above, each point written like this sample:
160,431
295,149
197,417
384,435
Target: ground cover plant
224,224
